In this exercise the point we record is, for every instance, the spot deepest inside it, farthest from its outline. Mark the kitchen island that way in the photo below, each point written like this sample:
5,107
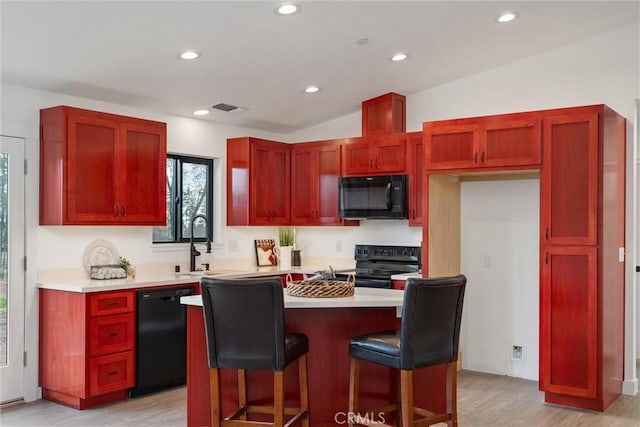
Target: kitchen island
329,323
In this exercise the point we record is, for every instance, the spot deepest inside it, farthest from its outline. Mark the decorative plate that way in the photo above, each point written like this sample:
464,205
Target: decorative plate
99,252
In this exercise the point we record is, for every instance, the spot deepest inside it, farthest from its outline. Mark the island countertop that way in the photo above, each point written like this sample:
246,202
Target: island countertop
363,297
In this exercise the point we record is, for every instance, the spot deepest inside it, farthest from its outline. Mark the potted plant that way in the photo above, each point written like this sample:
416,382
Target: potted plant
129,268
286,239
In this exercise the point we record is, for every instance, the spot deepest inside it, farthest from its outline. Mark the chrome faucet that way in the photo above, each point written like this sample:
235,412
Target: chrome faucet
193,251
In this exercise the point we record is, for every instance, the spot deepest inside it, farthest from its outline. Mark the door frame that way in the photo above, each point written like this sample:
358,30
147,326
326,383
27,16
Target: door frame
14,371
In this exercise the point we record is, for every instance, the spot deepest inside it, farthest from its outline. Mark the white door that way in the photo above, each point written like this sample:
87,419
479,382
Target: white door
12,252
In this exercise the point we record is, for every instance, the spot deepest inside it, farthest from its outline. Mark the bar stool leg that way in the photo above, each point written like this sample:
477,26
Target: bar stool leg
214,393
406,393
304,388
452,392
354,386
242,392
278,398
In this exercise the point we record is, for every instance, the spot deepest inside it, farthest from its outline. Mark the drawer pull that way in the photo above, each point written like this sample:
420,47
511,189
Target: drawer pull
113,334
111,304
110,374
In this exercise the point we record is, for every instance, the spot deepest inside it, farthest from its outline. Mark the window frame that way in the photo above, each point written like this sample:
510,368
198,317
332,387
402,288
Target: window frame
177,198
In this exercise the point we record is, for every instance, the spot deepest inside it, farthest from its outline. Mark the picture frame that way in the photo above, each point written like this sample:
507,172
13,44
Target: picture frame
265,255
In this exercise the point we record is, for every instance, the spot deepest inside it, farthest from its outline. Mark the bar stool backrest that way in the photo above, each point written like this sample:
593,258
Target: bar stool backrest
431,316
244,323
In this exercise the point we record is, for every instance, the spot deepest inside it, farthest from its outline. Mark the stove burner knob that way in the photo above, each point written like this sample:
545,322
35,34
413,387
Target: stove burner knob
405,252
413,252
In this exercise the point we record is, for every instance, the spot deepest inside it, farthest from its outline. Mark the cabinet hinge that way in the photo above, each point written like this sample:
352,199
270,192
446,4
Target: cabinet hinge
24,359
26,167
24,263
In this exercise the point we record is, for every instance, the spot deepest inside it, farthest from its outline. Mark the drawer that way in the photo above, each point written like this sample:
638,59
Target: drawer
103,303
111,373
111,334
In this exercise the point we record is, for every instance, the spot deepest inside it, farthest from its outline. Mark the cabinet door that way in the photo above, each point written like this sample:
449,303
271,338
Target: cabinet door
304,183
568,321
451,146
112,372
142,168
270,183
328,172
356,157
508,142
415,160
91,176
569,180
389,153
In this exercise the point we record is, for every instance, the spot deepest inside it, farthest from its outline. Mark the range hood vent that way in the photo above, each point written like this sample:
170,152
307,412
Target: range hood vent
224,107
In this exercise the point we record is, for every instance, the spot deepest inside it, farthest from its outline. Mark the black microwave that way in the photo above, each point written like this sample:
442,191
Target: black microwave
375,197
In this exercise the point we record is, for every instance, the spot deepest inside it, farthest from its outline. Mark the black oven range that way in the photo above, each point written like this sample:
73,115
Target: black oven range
375,264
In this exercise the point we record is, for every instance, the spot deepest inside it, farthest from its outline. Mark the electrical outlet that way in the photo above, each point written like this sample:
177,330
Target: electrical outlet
233,245
338,245
517,352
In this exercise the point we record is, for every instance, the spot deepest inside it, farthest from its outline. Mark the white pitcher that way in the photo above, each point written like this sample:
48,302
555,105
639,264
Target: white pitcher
284,256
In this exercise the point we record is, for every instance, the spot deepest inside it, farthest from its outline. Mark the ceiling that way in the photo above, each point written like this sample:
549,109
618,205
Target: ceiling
126,52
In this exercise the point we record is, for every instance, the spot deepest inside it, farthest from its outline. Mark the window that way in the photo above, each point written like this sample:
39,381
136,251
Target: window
189,191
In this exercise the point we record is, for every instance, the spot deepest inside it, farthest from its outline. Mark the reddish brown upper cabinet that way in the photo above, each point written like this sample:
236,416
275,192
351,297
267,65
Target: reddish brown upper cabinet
101,169
508,140
582,208
315,169
415,162
384,114
258,182
383,154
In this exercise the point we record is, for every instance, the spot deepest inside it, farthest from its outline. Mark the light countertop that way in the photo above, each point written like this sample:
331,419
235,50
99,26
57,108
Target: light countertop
363,297
85,285
405,276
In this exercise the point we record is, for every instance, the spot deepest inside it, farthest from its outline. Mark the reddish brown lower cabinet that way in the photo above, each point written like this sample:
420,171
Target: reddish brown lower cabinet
87,346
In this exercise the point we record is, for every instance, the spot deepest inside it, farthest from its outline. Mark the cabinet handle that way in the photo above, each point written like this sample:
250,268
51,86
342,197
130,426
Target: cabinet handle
113,334
376,163
546,233
546,257
112,373
111,304
117,211
124,211
370,164
482,158
413,213
475,158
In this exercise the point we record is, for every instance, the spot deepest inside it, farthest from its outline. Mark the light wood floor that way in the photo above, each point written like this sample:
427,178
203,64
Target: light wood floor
484,400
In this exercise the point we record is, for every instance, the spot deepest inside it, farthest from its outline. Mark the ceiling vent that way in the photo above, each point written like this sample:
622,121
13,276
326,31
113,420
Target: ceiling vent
225,107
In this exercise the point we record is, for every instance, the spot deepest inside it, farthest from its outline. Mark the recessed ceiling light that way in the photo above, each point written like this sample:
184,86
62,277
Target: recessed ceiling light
287,8
507,17
399,57
201,112
189,55
312,89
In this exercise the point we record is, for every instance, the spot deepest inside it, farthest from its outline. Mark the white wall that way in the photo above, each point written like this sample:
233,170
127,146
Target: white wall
499,254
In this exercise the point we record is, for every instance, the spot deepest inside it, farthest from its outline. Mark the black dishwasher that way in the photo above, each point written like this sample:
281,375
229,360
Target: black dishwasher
161,340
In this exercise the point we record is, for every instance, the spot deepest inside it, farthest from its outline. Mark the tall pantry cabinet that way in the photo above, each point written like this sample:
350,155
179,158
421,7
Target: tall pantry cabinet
581,267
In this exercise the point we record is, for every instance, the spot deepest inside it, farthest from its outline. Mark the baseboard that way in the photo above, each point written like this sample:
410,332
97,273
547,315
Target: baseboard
630,388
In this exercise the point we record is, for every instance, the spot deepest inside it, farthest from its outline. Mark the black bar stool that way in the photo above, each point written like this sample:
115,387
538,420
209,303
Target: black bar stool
429,333
244,324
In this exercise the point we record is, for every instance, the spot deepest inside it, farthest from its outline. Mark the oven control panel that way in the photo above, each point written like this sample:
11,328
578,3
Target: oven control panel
388,253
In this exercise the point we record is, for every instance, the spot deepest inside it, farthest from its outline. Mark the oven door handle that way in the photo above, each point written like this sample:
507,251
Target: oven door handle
387,195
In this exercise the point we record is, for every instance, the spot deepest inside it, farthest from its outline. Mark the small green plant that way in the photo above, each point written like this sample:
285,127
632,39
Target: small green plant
124,263
285,234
